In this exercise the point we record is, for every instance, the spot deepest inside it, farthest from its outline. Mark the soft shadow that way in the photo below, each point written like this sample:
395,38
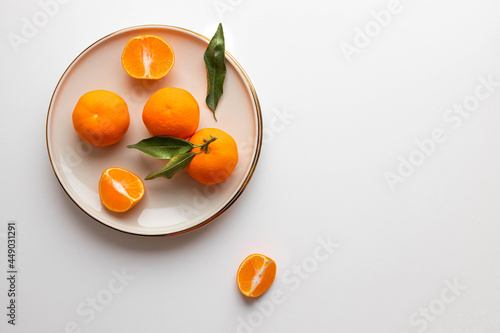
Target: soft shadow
138,243
146,244
249,301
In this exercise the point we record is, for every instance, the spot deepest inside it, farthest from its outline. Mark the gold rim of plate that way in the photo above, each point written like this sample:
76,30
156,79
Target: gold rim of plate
255,157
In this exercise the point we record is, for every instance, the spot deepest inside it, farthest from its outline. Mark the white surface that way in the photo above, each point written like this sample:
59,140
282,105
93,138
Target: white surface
321,174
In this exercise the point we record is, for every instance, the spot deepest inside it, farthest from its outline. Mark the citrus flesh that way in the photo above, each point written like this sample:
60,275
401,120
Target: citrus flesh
255,275
147,57
120,189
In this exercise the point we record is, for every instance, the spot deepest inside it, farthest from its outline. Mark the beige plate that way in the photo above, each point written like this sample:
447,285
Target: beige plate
170,206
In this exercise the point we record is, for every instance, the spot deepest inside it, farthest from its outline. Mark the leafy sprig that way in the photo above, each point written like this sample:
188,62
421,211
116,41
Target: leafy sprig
215,61
179,152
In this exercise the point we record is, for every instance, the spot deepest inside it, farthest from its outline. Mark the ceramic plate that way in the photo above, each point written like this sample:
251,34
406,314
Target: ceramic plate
169,206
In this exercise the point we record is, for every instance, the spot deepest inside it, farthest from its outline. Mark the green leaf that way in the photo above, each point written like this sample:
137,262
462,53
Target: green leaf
215,58
163,147
176,164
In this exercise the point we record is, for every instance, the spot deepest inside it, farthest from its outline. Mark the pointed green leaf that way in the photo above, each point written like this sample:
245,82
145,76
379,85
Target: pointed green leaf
176,164
216,68
163,147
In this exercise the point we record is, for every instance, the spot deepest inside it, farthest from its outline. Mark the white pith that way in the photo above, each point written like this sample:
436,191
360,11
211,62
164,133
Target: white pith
119,188
147,60
258,277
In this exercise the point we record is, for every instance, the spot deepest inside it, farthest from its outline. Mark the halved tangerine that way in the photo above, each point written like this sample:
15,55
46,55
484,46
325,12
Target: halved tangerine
147,57
256,275
120,189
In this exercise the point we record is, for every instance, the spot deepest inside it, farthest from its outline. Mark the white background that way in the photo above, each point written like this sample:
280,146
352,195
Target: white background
320,175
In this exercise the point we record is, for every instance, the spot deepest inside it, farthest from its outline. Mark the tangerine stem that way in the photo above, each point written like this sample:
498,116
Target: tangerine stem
204,146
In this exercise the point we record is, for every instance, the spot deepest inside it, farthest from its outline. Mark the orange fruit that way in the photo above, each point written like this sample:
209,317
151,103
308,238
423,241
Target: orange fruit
219,162
101,118
147,57
171,112
120,189
256,275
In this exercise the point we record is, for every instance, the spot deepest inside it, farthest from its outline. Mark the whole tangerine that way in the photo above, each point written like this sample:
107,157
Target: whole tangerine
101,118
171,112
219,160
